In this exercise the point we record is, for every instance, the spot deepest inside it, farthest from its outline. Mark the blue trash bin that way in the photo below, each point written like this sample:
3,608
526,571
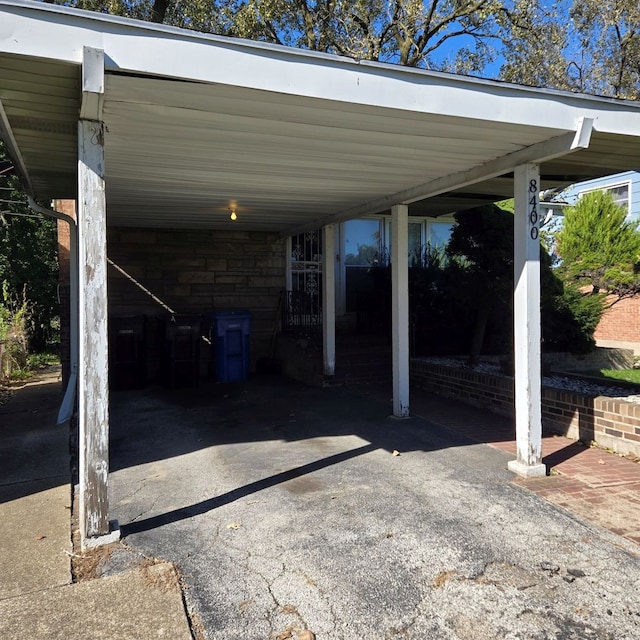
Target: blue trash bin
230,331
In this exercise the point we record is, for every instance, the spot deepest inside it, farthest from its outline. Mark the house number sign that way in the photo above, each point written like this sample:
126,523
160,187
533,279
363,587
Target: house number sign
534,230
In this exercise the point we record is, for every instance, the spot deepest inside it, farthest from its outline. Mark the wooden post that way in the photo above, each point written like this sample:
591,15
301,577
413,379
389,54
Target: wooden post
93,392
93,400
329,300
527,333
400,308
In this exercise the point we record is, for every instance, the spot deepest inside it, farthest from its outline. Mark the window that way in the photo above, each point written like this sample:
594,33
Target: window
363,243
440,233
415,242
620,193
422,232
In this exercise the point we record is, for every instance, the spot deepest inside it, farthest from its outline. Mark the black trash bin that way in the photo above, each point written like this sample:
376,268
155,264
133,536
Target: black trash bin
230,332
127,352
182,334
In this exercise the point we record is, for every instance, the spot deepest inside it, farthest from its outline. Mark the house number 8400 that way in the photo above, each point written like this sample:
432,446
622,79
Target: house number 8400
533,209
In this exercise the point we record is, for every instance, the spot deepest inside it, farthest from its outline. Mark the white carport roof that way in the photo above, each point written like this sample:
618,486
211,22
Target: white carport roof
296,138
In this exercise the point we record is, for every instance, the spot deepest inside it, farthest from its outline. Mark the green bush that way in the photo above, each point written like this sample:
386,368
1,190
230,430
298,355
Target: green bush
14,320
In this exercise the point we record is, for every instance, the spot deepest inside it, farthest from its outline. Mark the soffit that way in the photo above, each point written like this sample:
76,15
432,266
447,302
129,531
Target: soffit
178,153
194,122
40,98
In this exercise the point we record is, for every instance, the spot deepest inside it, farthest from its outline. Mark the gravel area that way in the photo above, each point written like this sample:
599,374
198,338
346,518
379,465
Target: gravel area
555,381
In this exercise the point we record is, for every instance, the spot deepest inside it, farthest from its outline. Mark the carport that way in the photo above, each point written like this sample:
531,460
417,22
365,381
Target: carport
156,127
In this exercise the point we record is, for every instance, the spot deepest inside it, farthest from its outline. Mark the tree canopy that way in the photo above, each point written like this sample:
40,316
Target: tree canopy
579,45
28,258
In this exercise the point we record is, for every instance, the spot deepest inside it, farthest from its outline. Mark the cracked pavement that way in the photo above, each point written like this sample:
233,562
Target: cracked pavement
285,509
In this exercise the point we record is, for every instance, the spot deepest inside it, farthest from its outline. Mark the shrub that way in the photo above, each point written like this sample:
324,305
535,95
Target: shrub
14,320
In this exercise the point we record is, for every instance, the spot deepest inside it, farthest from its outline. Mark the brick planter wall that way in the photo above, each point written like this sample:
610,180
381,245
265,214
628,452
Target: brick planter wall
197,272
614,424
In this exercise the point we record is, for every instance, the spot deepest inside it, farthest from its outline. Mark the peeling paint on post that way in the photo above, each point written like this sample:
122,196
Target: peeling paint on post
527,333
93,398
400,308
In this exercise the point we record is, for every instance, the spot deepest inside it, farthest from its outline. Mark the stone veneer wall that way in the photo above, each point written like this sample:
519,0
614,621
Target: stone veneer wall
197,272
614,424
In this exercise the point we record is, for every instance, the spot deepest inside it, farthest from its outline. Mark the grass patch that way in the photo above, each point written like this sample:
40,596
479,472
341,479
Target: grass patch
42,360
34,362
631,376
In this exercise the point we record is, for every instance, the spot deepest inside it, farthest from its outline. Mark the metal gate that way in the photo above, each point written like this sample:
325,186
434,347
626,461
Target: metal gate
303,304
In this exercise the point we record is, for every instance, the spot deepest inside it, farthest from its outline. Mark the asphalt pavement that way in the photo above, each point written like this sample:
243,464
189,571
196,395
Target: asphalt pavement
290,510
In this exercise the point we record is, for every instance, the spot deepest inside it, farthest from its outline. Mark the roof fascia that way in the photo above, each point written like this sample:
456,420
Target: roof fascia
92,84
537,153
49,31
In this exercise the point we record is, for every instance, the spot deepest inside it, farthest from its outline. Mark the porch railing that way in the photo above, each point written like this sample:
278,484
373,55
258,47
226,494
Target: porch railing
301,313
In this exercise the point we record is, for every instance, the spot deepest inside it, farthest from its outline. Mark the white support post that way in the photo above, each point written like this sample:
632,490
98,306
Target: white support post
400,308
93,392
527,332
329,300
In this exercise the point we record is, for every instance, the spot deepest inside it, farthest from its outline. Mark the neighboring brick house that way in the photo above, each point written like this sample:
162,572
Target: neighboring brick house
620,324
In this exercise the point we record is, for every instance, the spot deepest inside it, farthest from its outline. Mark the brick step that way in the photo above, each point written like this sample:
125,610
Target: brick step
363,368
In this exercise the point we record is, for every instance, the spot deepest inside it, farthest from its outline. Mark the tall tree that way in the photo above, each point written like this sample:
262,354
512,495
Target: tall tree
452,35
535,38
28,257
606,50
462,36
482,244
579,45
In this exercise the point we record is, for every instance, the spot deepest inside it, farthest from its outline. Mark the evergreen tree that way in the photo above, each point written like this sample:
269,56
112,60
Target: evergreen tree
599,246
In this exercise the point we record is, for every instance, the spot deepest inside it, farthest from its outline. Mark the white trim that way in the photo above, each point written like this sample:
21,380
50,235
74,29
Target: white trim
328,300
400,310
610,187
288,277
341,305
527,333
92,84
42,30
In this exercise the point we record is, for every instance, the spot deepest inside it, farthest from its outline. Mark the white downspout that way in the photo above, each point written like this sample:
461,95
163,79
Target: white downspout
66,408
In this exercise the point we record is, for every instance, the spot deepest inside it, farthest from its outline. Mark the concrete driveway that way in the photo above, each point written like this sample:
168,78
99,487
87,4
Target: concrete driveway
288,508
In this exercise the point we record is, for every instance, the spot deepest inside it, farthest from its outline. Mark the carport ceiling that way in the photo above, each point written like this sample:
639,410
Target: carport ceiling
293,138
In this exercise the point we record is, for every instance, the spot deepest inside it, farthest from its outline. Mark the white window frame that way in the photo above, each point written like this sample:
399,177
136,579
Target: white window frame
610,187
385,242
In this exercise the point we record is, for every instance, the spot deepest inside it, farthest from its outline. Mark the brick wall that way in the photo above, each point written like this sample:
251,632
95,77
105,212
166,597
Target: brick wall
197,271
599,358
614,424
64,244
621,321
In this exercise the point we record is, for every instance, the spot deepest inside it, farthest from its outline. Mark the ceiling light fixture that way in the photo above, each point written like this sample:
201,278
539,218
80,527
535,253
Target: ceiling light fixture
233,215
